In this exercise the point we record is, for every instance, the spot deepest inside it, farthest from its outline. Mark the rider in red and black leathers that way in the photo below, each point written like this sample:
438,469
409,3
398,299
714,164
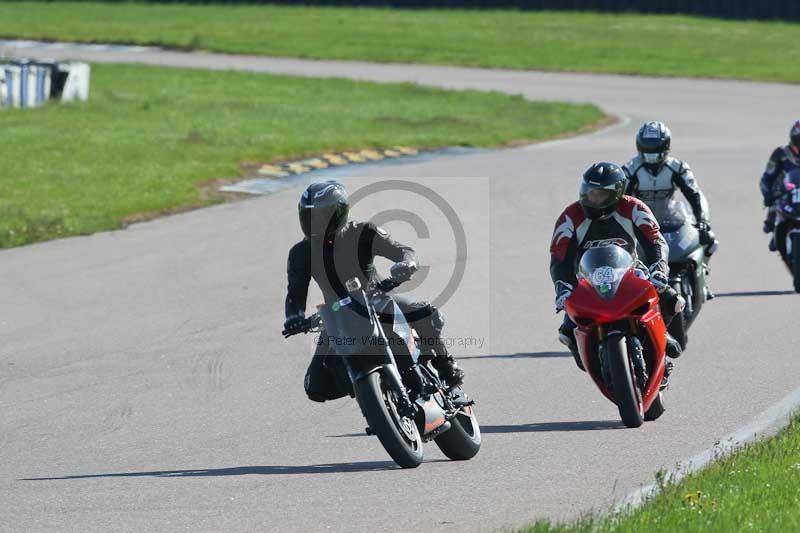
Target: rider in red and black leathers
605,217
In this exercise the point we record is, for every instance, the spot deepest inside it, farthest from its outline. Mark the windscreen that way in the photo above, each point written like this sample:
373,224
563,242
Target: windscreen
604,268
672,214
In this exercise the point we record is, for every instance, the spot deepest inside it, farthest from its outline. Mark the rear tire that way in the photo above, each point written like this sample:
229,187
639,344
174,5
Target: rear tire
626,393
656,408
398,435
796,261
463,440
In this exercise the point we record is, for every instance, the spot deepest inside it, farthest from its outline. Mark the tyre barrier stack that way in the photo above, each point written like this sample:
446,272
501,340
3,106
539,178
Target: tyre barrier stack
26,83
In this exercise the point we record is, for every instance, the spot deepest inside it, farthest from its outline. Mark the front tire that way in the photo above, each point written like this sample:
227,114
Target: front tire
626,393
795,237
463,440
399,435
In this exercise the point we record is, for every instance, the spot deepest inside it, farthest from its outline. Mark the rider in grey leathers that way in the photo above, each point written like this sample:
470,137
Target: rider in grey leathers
653,176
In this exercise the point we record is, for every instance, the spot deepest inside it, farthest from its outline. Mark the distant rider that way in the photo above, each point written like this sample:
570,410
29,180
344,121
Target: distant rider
653,176
605,217
783,160
335,250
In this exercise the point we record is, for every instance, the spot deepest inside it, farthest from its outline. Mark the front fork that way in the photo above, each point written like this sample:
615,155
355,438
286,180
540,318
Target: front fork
635,351
388,369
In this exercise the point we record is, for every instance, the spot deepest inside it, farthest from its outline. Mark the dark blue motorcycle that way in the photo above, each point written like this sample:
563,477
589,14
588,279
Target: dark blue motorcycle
787,224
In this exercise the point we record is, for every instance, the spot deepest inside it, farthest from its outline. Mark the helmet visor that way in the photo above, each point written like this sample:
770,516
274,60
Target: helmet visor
598,198
318,222
653,158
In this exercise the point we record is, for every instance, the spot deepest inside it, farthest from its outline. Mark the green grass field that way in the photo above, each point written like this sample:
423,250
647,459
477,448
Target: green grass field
636,44
756,489
149,138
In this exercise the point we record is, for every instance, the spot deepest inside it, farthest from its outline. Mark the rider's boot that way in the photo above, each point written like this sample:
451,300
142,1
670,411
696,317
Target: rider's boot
772,246
708,292
446,366
674,349
667,372
566,336
449,370
769,227
672,303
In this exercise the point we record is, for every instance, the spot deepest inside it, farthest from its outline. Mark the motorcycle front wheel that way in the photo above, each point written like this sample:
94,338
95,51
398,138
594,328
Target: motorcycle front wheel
626,393
398,434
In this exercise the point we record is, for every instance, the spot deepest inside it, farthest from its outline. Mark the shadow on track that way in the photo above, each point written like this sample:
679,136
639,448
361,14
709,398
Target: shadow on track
529,355
369,466
583,425
752,293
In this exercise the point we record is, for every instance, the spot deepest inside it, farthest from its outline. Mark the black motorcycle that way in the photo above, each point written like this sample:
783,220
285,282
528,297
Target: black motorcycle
376,357
687,267
787,224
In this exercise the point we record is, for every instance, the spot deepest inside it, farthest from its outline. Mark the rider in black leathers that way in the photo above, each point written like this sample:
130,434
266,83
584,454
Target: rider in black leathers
335,250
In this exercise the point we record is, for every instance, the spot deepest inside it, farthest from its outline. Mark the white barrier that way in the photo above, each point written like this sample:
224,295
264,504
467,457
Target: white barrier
25,84
28,84
77,85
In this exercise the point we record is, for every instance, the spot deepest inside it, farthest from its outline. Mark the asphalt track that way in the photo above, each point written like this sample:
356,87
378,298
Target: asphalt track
144,383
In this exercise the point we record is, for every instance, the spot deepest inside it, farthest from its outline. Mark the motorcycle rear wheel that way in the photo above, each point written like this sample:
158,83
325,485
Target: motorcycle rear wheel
399,435
626,393
463,440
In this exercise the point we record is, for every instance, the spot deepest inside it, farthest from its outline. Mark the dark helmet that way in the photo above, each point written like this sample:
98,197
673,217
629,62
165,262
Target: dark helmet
323,209
653,142
602,187
794,135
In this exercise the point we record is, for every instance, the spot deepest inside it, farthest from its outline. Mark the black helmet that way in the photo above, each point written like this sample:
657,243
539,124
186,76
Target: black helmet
794,135
653,142
323,209
602,187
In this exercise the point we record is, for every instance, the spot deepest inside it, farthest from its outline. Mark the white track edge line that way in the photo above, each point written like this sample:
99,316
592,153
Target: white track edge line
769,422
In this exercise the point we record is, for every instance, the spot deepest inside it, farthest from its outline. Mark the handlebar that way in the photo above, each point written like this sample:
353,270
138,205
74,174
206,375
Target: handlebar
314,321
388,284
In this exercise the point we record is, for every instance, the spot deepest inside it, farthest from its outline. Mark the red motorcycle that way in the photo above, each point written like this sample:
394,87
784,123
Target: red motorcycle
620,333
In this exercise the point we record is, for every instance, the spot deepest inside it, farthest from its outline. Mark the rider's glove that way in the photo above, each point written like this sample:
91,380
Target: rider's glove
704,232
294,323
403,271
563,292
659,280
680,304
703,226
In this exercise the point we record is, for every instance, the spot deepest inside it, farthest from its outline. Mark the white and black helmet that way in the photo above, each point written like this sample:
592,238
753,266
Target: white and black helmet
323,209
653,143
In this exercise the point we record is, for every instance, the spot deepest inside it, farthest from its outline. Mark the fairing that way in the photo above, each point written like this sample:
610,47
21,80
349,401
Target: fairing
636,304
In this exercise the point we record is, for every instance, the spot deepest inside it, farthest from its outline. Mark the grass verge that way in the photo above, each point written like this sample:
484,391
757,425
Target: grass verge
590,42
755,489
150,138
